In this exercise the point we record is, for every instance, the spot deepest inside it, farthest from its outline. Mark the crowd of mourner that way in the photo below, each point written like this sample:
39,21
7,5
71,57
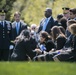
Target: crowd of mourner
51,40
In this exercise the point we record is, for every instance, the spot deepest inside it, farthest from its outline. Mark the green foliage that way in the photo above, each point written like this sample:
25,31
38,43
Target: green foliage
37,68
33,10
7,4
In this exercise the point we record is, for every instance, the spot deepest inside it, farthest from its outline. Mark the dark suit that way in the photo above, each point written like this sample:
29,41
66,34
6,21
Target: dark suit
5,37
68,42
50,24
14,31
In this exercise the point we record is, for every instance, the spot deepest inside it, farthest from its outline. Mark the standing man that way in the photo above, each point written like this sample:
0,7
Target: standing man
18,25
48,22
66,12
5,36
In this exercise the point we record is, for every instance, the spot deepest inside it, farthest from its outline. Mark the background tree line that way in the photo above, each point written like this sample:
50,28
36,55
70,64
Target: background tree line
32,11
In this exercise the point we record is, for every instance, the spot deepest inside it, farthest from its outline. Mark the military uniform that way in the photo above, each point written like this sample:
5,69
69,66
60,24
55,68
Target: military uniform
5,37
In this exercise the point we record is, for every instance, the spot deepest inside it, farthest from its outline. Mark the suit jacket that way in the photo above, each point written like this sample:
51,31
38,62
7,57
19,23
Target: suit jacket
14,31
68,42
50,24
74,44
5,35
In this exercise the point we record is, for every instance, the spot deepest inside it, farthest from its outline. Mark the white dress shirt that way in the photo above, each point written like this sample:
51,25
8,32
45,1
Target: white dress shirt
45,23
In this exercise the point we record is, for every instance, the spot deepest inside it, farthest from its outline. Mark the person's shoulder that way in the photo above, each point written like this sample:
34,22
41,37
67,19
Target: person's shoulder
13,22
61,37
49,41
52,18
23,23
42,19
8,22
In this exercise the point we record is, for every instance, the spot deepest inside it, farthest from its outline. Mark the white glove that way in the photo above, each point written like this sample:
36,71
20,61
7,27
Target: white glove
11,47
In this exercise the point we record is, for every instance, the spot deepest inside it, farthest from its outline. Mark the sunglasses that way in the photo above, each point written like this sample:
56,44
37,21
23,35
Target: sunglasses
66,13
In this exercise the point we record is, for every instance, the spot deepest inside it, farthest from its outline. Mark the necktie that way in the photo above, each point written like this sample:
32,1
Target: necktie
17,28
45,24
2,24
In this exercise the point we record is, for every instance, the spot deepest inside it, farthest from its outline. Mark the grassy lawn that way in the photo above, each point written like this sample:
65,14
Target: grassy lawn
37,68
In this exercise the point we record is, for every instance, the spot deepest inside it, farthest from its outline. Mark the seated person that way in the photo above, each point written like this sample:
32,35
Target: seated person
70,54
23,47
46,44
67,48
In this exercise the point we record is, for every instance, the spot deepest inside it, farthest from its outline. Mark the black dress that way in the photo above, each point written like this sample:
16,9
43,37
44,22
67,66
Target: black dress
49,45
69,56
22,50
61,40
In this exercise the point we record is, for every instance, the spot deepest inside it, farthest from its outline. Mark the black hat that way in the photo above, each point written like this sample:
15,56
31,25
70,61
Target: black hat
2,11
66,8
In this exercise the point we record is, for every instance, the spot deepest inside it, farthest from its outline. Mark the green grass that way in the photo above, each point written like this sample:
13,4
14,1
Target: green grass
37,68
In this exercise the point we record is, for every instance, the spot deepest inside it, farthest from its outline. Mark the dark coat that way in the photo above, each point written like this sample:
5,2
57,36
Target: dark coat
22,50
5,38
49,45
14,32
74,44
5,35
68,42
60,42
49,25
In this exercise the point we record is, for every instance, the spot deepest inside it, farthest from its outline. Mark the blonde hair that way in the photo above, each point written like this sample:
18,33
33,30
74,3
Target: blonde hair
17,13
72,28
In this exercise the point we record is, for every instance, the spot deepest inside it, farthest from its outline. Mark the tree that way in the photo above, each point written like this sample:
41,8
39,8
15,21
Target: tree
7,4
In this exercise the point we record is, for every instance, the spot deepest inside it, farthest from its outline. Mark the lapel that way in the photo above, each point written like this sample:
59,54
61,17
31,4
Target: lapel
5,25
14,28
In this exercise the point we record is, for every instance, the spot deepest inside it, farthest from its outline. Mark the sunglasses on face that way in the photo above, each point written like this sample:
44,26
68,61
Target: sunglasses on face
66,13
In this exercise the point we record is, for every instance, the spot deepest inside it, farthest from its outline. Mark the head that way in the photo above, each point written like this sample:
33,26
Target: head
44,36
59,16
48,12
62,29
32,34
72,28
33,27
17,16
55,31
72,21
63,22
2,14
26,33
66,12
69,22
72,13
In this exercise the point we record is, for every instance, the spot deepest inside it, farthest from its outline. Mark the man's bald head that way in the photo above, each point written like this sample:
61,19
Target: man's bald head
48,12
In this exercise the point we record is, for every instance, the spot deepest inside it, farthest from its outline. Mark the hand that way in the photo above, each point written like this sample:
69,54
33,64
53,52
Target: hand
38,51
